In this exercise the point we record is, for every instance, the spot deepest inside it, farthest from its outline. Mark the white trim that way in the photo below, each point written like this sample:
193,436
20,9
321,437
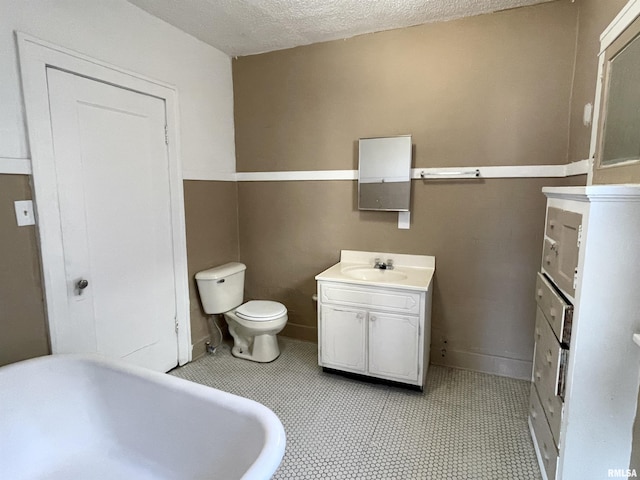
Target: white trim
297,175
625,17
518,171
210,176
15,166
35,56
596,193
23,166
581,167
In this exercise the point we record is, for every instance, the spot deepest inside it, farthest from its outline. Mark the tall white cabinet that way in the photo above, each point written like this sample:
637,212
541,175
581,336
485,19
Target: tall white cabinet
586,365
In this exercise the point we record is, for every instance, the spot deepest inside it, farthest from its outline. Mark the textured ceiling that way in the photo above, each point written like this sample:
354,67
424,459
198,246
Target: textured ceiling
245,27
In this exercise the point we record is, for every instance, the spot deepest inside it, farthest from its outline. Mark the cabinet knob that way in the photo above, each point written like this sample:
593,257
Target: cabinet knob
552,312
360,316
549,357
372,318
540,293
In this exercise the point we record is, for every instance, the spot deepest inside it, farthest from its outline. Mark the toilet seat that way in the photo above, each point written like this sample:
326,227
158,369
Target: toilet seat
261,310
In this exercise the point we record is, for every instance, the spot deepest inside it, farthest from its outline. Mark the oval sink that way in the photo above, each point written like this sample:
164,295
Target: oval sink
373,274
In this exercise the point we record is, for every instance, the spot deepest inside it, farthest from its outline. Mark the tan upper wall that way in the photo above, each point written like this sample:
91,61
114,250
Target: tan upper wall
487,90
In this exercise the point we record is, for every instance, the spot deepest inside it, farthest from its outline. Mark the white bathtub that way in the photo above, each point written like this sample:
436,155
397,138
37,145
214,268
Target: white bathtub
80,417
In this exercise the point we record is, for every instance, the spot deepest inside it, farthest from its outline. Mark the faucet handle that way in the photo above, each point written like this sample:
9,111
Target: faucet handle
376,262
390,263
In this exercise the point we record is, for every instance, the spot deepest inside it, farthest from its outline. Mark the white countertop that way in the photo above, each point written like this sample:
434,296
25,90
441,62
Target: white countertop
418,270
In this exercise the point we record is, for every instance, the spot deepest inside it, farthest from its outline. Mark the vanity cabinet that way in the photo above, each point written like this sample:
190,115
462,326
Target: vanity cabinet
374,331
585,375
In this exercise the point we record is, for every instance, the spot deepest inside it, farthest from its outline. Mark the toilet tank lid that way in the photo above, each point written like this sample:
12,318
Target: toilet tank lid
221,271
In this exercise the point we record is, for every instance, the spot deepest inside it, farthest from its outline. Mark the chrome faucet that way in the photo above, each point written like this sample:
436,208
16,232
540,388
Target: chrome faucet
382,265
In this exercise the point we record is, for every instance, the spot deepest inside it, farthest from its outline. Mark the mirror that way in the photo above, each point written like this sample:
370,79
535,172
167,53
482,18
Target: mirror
384,173
620,124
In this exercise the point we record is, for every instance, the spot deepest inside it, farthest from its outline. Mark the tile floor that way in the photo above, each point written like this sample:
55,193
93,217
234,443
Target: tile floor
465,425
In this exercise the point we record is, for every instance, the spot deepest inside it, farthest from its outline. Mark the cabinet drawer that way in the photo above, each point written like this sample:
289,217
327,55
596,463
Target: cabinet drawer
561,247
558,312
371,297
562,224
543,437
549,356
547,374
552,228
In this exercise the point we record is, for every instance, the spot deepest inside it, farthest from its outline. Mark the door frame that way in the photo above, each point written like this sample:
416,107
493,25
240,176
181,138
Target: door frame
35,57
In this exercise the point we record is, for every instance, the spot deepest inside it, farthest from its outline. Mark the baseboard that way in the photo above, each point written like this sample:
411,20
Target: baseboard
199,348
300,332
502,366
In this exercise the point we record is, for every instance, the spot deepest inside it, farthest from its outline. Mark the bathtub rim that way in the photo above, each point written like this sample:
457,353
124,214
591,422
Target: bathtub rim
272,451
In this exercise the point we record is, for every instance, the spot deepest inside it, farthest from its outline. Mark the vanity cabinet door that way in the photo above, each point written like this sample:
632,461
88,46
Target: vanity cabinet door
342,338
394,346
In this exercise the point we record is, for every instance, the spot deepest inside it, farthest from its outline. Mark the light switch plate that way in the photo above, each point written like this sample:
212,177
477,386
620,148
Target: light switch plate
24,213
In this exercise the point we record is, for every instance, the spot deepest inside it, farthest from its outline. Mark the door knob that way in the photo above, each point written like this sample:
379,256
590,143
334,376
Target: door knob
81,285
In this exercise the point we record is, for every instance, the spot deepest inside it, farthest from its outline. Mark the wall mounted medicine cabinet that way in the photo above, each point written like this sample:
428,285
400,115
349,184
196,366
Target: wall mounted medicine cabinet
617,129
384,173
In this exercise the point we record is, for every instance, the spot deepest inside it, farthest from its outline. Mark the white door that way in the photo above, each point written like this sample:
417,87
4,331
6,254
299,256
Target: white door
112,172
393,346
342,338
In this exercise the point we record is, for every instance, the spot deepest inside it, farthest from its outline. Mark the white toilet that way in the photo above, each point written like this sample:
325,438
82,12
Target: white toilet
254,324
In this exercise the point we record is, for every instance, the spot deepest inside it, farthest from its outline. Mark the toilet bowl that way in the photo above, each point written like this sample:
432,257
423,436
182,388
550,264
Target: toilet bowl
254,324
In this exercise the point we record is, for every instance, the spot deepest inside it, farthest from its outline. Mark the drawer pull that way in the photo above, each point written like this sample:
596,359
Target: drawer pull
552,224
540,292
553,313
538,376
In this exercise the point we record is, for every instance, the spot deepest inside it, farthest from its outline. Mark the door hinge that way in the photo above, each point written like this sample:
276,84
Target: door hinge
579,235
166,134
177,325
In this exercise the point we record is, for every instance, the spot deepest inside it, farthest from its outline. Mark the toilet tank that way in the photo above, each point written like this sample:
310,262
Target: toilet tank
221,288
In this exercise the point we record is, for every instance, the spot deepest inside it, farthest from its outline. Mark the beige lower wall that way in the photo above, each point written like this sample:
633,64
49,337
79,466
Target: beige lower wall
486,236
23,332
211,211
212,238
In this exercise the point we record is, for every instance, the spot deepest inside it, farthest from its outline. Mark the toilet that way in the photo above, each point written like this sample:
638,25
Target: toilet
254,324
